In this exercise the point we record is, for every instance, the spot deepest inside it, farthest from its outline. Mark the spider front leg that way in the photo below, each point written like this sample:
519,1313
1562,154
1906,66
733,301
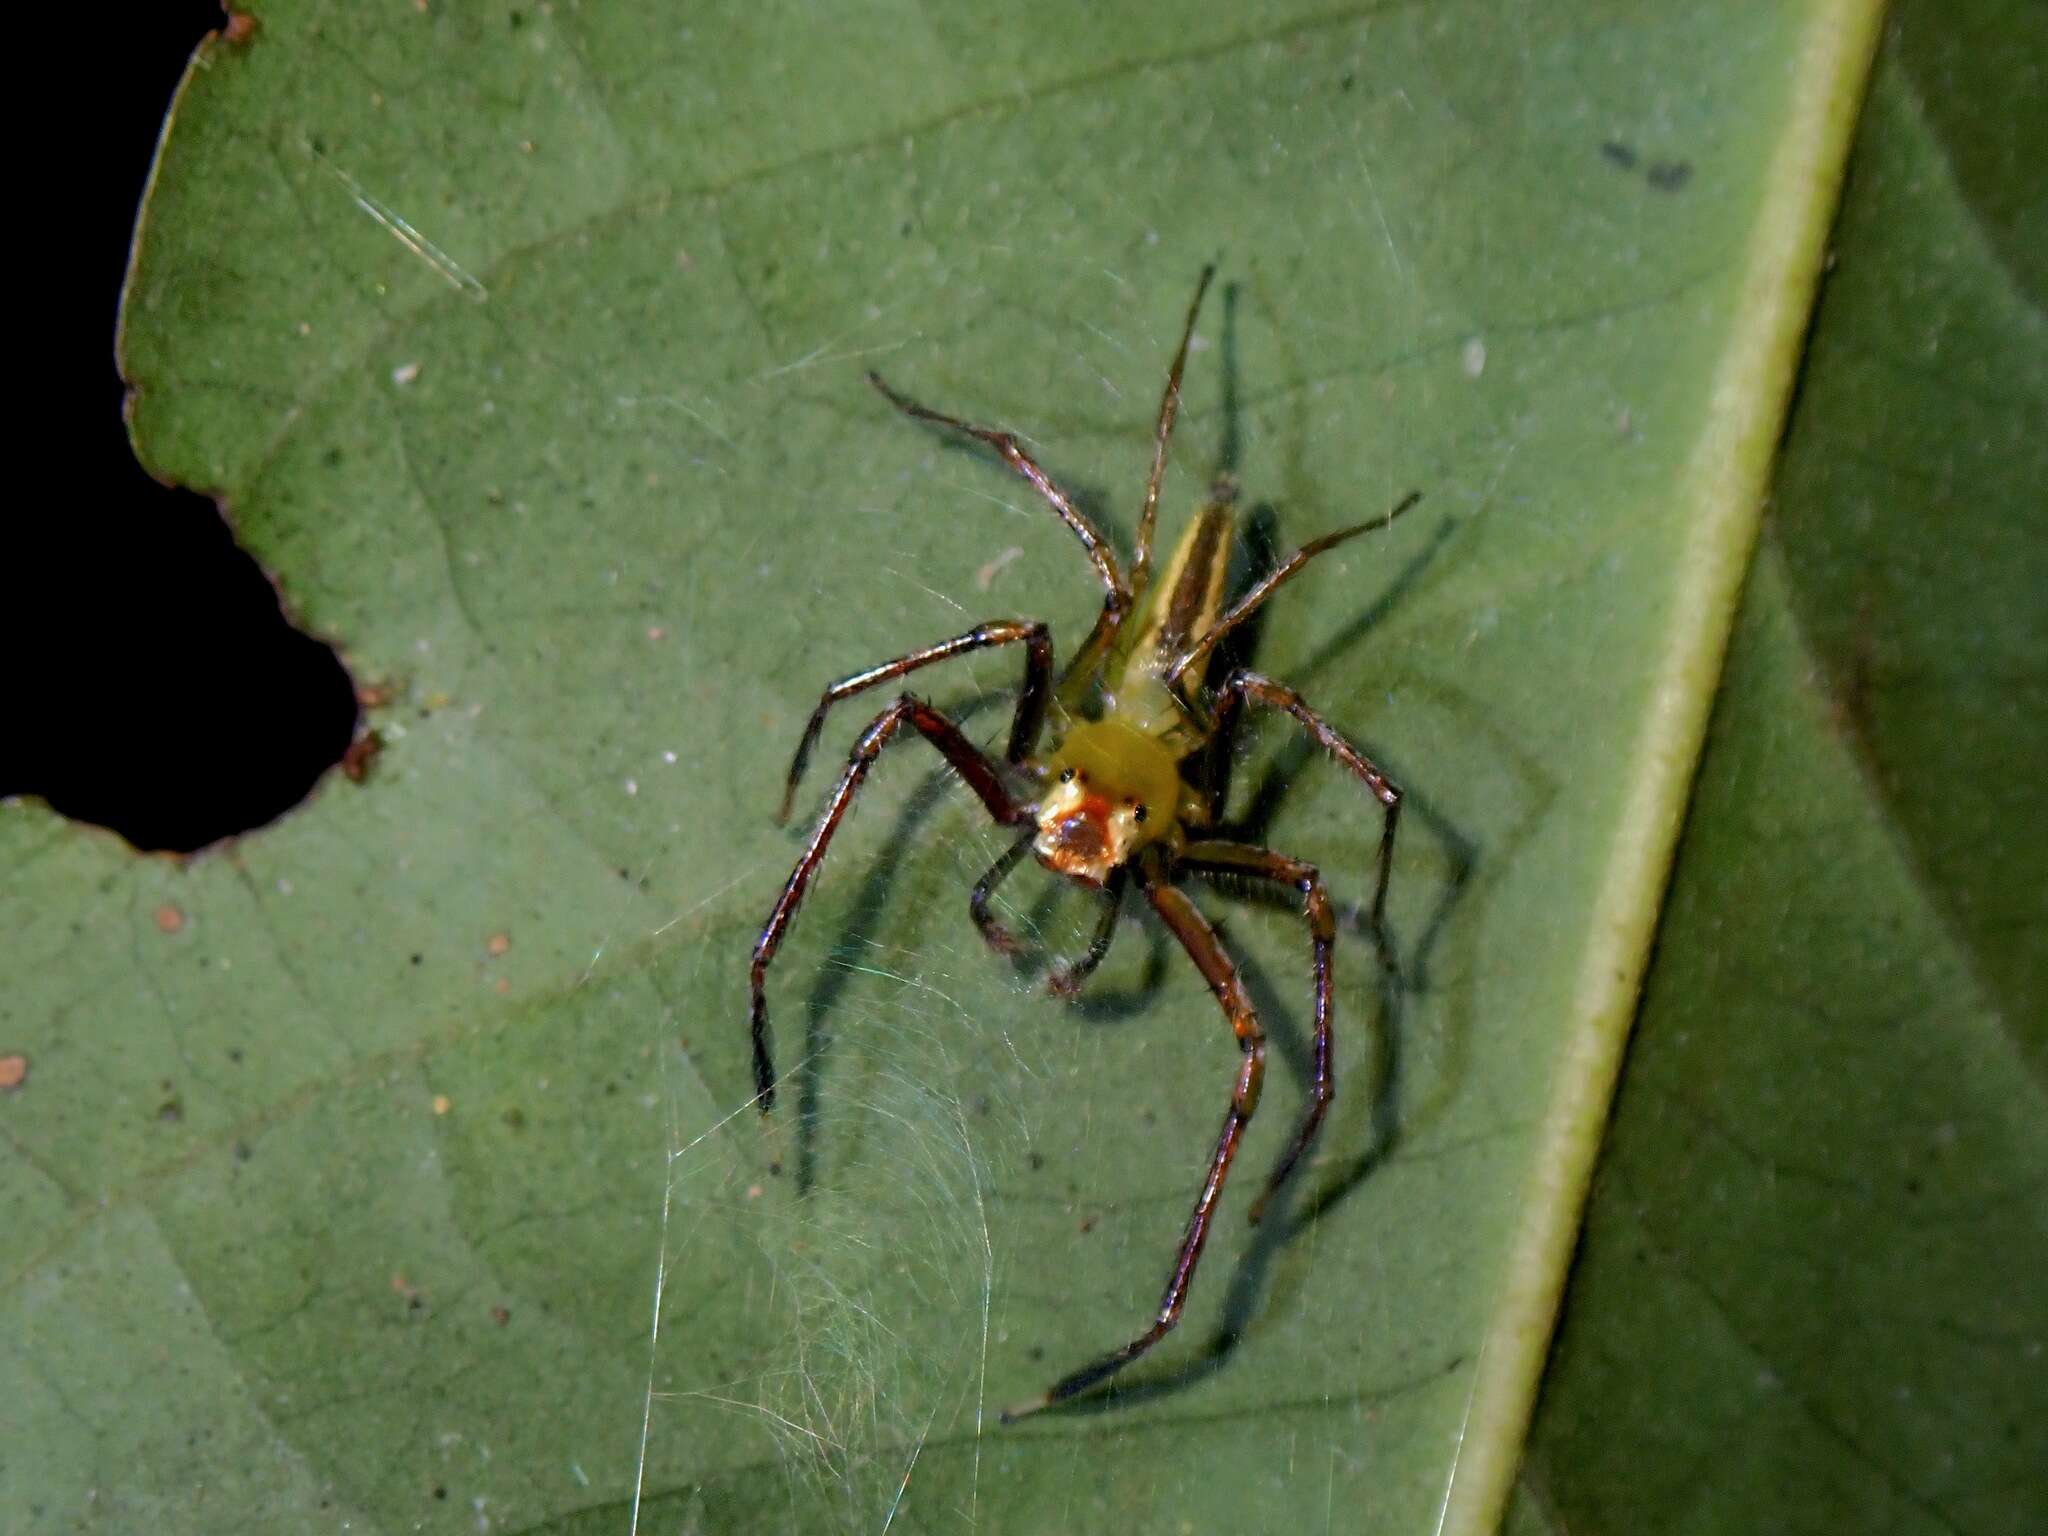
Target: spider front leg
1242,685
1031,699
1263,864
1064,980
1162,435
982,776
1117,593
1185,921
993,933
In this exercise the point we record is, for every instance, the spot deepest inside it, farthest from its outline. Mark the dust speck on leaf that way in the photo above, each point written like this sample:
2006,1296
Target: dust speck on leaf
985,576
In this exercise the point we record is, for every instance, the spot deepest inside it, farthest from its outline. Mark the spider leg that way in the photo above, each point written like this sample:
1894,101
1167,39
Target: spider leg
1066,980
993,933
1246,685
1031,700
1169,407
982,776
1205,948
1265,587
1013,454
1263,864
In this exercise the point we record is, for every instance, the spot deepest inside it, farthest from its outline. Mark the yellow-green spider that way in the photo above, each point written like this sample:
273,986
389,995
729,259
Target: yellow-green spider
1129,789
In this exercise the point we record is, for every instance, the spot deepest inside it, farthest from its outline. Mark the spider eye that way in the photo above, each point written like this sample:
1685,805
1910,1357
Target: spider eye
1140,814
1066,775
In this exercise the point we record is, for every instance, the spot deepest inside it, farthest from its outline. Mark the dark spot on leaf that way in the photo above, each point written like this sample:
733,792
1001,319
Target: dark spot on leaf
1618,154
1668,175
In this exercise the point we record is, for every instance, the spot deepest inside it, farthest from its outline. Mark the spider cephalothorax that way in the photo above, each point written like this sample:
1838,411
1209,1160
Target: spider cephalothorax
1122,798
1113,791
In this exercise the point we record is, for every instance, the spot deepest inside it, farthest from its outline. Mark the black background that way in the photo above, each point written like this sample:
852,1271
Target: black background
155,687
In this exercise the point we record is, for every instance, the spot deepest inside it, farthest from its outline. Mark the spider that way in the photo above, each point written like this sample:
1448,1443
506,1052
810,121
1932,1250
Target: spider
1129,790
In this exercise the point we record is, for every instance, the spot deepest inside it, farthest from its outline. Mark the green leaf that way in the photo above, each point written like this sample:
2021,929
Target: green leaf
524,345
1808,1298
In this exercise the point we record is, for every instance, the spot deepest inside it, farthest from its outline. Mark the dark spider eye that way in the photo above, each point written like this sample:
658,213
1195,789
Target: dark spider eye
1139,815
1066,775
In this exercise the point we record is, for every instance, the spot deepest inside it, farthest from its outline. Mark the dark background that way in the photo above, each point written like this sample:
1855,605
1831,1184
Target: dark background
154,686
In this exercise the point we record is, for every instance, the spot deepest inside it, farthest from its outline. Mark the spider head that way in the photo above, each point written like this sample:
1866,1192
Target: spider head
1112,791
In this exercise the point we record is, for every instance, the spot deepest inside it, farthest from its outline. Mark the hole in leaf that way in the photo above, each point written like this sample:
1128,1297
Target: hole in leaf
169,699
152,684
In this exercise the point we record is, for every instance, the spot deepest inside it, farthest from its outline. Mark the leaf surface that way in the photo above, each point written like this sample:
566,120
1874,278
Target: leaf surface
524,346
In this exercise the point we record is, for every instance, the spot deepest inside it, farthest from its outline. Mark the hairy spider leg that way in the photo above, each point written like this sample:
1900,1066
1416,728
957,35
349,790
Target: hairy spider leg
993,933
1243,859
1185,921
1013,454
1265,587
1245,684
981,775
1031,698
1169,408
1064,980
1116,600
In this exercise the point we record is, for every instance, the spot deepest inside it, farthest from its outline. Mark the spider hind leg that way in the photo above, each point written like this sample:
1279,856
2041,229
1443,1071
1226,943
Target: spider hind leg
1205,947
1242,859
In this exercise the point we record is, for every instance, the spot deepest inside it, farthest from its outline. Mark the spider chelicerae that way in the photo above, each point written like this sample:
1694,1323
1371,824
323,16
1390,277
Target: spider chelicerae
1128,792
